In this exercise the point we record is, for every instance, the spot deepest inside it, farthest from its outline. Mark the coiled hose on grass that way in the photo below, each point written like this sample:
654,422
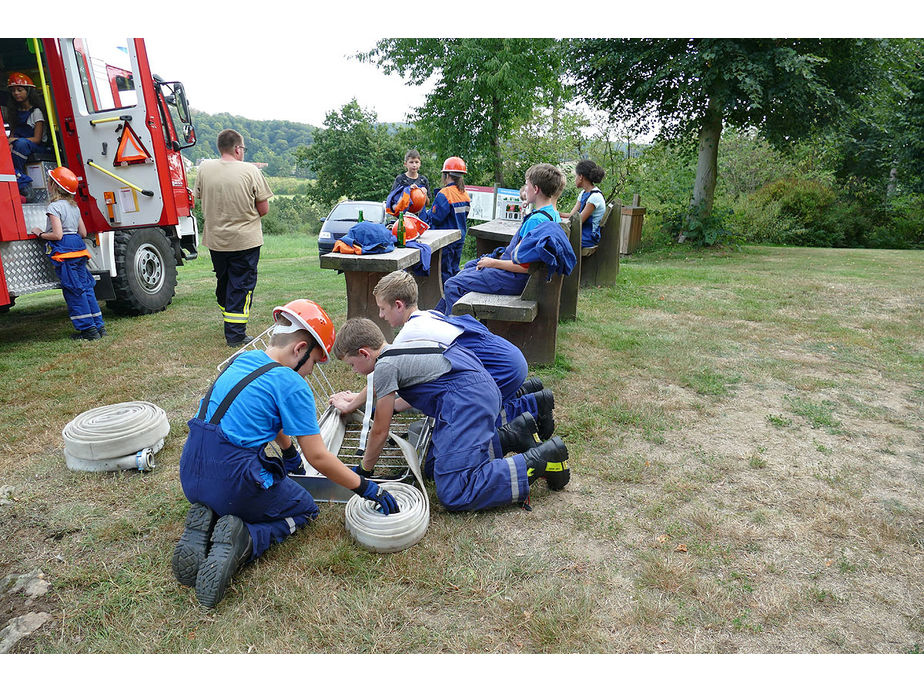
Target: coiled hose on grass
114,437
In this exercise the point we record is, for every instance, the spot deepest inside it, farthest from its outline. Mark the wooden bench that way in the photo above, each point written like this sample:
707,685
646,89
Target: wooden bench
600,263
529,320
363,272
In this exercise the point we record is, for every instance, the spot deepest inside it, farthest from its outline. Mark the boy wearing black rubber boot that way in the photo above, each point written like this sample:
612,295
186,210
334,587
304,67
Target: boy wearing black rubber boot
450,385
396,296
243,500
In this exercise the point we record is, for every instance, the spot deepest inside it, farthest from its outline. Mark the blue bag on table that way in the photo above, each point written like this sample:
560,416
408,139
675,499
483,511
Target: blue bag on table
369,237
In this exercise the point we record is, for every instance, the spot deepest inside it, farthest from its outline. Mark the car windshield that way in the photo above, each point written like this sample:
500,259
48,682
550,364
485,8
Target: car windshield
350,212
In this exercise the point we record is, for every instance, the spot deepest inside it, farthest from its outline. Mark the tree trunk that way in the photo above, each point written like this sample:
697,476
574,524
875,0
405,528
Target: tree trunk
892,185
707,163
496,146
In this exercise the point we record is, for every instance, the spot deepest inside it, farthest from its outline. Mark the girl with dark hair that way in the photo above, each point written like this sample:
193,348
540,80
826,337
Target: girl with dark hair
591,204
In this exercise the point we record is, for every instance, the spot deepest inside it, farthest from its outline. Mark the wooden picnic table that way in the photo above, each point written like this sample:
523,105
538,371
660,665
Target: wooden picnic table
363,272
493,234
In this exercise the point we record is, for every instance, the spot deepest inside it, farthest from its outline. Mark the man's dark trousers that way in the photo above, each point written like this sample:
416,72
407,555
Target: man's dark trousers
236,274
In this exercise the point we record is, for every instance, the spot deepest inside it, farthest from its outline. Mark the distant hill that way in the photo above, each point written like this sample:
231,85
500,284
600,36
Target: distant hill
270,141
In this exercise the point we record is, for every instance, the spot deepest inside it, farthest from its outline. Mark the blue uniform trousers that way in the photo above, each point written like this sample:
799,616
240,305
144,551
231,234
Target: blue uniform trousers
236,274
227,478
78,287
489,280
22,149
452,256
464,448
503,361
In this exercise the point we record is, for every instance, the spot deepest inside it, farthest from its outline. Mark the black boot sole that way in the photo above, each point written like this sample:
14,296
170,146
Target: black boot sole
230,549
528,386
552,452
193,547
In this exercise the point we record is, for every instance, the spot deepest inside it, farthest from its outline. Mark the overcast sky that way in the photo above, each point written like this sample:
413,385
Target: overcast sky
290,59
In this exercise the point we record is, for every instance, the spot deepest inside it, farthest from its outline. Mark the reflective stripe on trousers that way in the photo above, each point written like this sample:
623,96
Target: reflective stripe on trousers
464,404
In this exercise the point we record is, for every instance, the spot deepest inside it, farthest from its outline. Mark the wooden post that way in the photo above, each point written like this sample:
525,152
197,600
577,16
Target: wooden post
571,282
630,229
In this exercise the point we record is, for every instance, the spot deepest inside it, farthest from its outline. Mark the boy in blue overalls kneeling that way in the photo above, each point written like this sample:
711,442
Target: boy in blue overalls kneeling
243,500
449,384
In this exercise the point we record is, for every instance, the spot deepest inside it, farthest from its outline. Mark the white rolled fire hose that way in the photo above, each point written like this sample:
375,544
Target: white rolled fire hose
114,437
368,527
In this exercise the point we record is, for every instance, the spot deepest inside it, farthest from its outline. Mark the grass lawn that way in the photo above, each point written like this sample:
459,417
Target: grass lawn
747,444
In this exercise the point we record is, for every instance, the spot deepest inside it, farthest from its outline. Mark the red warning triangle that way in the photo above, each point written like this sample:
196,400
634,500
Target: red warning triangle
130,150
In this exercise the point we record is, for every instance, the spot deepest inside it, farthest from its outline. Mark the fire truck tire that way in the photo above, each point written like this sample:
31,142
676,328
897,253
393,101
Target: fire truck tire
146,267
6,308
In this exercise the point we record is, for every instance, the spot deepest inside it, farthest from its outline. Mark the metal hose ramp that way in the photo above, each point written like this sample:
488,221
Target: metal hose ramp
398,531
116,436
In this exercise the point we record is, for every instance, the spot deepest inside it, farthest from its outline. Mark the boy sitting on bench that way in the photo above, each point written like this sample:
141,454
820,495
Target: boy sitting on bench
503,275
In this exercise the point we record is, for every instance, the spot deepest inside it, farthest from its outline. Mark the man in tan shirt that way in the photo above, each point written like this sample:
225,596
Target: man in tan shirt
234,196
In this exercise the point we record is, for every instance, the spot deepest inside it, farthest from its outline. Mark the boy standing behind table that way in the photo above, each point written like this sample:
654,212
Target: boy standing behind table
412,175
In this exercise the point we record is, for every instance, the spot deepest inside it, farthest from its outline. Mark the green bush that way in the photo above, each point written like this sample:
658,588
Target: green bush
700,230
807,212
292,214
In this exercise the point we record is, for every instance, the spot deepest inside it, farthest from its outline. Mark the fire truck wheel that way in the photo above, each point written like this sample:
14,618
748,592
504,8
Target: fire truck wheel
146,266
6,308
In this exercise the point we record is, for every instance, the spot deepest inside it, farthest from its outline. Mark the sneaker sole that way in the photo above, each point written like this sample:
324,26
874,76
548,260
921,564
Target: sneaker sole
193,547
229,541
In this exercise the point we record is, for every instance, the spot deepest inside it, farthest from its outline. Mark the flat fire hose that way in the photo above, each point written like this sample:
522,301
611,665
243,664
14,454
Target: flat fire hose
114,437
398,531
367,417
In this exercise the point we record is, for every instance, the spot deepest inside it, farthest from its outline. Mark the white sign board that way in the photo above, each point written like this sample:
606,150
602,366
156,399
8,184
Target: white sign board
508,205
482,207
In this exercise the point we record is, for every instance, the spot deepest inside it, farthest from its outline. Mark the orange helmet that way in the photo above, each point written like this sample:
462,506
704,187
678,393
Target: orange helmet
454,164
413,226
307,315
65,179
418,199
19,79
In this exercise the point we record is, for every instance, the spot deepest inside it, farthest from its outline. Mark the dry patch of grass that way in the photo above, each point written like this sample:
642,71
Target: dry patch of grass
745,434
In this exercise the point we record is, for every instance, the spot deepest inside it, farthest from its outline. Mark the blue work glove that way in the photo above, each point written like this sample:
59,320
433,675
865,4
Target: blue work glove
290,453
372,491
362,472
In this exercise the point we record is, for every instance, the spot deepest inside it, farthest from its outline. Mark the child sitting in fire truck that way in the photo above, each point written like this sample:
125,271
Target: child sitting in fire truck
28,133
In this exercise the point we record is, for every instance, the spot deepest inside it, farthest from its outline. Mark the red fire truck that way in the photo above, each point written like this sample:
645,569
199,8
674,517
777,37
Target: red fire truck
121,130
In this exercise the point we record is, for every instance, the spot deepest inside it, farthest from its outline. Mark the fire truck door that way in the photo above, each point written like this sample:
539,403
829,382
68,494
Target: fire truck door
115,143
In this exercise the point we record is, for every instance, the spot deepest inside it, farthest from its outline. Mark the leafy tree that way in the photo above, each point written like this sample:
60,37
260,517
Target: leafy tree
484,87
352,157
784,88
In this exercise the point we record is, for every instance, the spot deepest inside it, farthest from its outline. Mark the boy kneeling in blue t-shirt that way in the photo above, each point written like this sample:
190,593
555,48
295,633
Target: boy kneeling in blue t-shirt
243,500
503,275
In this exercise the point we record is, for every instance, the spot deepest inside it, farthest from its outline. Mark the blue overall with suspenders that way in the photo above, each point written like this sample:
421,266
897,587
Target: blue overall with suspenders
489,280
590,234
232,480
23,147
462,460
503,361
